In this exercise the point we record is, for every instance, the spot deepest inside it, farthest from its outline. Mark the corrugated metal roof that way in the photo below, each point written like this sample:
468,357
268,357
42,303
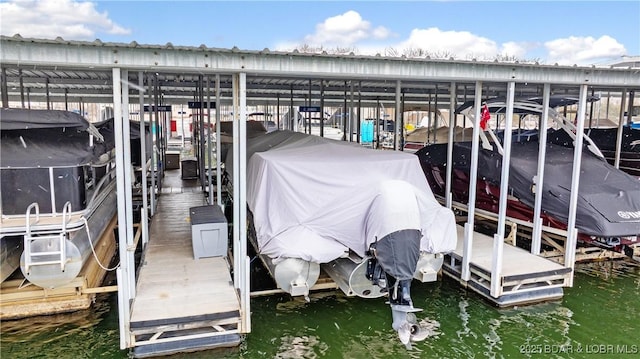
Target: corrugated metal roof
64,69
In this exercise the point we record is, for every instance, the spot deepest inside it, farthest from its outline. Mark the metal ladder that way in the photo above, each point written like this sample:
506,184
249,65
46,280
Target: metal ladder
49,248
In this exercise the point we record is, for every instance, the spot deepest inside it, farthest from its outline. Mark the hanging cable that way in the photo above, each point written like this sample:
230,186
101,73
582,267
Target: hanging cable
93,250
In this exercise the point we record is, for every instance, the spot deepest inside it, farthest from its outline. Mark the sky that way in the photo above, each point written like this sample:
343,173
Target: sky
563,32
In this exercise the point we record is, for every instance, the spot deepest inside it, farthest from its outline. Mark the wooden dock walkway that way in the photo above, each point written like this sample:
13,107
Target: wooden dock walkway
526,278
182,304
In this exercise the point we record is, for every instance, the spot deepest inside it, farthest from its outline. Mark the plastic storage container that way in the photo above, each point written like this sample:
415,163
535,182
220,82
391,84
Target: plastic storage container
208,231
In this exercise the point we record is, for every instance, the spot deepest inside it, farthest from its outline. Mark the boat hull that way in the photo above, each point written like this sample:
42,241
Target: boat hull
79,248
351,277
10,251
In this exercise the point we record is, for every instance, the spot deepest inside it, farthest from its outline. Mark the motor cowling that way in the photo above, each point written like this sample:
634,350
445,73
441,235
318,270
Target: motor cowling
392,265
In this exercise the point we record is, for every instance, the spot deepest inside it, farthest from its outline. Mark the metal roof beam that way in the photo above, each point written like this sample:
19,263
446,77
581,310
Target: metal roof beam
72,54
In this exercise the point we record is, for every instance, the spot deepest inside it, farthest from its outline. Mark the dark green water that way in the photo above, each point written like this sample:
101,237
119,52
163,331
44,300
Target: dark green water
598,318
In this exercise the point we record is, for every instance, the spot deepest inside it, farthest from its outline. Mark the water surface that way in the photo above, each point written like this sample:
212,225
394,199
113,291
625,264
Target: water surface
597,318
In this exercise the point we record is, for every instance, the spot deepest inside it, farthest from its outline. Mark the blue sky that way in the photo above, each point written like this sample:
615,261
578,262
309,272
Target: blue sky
569,32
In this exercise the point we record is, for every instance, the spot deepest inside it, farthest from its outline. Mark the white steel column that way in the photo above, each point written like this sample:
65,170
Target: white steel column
498,238
124,293
235,147
144,221
240,271
572,232
471,209
396,136
452,123
126,140
623,104
536,237
154,161
208,146
218,150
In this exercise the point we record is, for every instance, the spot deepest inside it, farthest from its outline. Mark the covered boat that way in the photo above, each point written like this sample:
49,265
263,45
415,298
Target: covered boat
58,191
422,136
608,208
629,152
368,217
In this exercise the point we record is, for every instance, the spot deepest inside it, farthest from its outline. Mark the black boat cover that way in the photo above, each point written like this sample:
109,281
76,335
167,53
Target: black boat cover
25,119
606,138
608,200
28,140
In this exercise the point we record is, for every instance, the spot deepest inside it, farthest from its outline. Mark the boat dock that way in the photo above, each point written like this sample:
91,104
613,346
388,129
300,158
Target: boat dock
171,300
181,303
526,278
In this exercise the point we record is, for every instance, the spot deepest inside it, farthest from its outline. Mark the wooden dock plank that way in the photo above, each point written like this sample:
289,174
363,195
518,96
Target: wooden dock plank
172,284
516,261
525,278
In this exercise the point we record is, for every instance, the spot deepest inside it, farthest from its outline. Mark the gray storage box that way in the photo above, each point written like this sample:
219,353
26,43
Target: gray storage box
208,231
189,169
173,160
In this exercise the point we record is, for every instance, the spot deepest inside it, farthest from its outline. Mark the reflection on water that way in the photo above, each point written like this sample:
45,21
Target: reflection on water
610,269
81,334
55,327
296,304
464,320
309,347
600,307
430,326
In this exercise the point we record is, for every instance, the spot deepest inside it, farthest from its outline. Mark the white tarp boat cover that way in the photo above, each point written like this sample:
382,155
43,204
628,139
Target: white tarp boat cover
314,198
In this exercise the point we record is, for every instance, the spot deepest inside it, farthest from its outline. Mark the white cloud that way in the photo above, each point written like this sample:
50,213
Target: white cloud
583,50
69,19
345,30
350,30
515,49
461,44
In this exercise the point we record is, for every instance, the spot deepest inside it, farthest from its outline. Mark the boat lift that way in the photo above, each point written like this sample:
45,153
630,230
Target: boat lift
497,281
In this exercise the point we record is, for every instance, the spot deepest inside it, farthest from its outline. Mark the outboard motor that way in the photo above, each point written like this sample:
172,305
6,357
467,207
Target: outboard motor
394,253
391,266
